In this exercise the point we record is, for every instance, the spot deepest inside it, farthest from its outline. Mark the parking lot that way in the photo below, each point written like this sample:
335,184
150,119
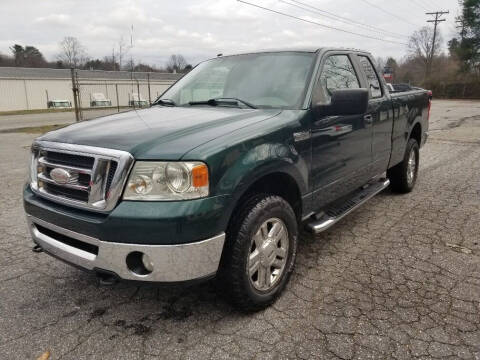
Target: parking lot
11,122
398,278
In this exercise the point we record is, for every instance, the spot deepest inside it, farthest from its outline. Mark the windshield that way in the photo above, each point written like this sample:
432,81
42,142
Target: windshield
268,80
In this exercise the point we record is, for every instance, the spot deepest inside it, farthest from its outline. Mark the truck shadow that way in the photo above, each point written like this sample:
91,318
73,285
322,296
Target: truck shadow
128,309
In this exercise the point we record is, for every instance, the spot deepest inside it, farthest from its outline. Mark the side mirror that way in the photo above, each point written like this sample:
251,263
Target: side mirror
344,102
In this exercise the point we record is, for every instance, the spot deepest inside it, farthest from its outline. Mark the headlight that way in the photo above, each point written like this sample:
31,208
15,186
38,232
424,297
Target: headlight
34,169
167,181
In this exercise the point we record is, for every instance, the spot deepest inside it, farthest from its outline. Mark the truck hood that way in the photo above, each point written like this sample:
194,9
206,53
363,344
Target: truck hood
162,133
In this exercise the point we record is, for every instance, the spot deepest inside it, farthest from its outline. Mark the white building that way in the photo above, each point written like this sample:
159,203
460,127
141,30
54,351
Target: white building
32,88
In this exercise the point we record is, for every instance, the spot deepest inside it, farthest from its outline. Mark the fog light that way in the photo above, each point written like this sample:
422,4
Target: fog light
147,262
139,263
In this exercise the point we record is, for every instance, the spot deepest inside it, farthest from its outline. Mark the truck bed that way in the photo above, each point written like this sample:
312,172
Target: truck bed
408,107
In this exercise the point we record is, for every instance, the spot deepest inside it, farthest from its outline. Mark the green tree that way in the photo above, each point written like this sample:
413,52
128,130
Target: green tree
467,46
453,46
33,57
391,62
28,56
18,54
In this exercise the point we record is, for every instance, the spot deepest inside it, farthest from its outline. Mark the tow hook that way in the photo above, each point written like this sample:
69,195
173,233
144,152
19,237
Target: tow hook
106,279
37,248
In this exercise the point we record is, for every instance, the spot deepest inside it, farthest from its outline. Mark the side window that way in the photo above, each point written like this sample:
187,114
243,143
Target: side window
338,73
372,78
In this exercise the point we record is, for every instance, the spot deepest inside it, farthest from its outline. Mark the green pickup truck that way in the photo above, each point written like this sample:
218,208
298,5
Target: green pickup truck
220,174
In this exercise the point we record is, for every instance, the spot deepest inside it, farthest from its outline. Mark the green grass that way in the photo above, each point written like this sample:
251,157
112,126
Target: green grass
37,111
34,129
44,111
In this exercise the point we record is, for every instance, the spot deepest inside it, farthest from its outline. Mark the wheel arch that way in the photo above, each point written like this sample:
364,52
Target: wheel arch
416,133
274,180
280,183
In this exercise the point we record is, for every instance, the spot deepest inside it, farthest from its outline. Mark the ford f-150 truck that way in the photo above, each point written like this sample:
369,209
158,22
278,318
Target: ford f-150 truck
219,174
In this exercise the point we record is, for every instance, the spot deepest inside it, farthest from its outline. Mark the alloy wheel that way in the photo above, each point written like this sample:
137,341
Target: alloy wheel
268,254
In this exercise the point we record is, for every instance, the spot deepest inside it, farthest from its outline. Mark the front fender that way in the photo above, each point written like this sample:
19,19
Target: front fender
245,168
260,161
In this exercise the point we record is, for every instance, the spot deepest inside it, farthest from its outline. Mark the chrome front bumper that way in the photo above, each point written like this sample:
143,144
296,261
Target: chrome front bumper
170,263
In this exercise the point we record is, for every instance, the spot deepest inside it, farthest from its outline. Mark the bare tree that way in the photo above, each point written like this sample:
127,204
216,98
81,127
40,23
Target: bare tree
176,63
420,47
130,64
72,52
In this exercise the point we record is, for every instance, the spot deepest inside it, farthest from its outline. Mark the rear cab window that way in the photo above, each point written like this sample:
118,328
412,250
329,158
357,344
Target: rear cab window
373,81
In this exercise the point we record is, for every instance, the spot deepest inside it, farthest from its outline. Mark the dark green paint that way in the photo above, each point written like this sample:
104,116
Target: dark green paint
240,146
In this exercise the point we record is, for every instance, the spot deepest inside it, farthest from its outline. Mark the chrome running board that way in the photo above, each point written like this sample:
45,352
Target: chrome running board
337,211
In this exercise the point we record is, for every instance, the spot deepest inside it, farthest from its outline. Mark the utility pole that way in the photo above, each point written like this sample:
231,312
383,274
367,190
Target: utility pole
461,22
438,19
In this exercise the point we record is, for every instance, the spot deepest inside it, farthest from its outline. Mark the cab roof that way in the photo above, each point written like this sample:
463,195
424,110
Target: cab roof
301,49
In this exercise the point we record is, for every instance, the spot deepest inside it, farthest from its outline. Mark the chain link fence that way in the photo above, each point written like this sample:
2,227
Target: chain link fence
95,93
96,98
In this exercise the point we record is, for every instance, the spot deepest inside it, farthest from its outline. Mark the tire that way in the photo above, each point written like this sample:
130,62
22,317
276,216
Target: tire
250,255
402,176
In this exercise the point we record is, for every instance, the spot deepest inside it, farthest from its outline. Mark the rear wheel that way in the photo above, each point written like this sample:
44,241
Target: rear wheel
260,252
403,176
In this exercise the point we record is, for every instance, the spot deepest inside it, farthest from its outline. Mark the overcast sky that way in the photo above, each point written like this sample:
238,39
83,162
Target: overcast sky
200,29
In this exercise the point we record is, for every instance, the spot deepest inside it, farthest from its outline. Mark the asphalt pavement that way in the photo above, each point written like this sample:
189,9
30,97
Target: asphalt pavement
8,122
398,278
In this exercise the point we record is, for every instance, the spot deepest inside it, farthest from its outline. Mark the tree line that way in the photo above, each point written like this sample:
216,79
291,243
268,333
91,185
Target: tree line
73,54
454,73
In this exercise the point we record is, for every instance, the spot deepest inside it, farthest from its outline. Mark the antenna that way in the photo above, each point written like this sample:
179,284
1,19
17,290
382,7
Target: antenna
131,36
131,47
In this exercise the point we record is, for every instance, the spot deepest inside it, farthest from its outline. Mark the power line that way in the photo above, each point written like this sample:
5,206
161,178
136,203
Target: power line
319,24
430,3
420,5
388,12
347,20
341,18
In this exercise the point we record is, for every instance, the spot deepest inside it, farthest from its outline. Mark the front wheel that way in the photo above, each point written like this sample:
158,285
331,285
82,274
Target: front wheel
403,176
260,252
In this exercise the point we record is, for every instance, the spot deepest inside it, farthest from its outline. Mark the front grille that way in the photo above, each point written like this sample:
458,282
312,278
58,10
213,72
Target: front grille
69,159
93,249
78,175
66,192
84,179
111,174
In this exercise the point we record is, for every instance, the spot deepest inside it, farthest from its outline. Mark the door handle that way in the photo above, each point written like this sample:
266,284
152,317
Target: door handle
368,119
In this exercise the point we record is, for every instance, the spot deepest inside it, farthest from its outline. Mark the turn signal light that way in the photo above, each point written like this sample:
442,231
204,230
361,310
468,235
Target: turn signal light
200,176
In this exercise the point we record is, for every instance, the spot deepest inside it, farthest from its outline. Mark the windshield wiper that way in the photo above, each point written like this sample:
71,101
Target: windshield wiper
226,100
164,102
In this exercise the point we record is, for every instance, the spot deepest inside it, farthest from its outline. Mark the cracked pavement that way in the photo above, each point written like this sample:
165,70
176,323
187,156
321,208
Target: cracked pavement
399,278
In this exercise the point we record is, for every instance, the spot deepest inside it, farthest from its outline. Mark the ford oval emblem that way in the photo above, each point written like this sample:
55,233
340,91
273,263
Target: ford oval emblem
60,176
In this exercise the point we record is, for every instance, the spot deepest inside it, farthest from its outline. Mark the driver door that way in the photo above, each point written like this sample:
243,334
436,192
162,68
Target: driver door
341,145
